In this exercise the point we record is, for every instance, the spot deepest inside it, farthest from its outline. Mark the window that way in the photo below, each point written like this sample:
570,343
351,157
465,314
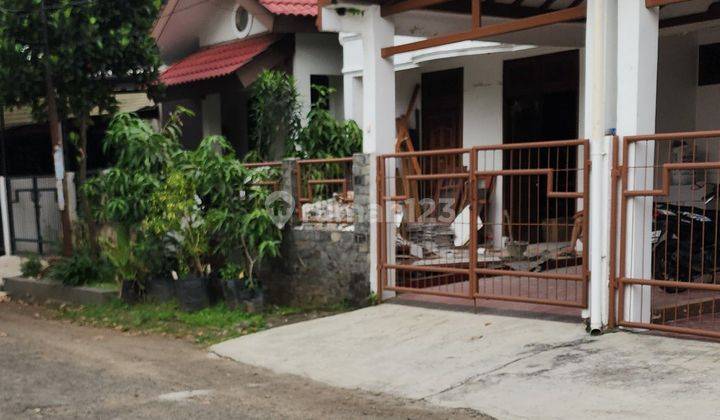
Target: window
709,65
319,80
242,19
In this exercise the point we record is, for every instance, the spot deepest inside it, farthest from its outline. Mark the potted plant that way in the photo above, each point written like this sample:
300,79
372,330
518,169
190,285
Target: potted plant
123,252
159,282
232,279
121,195
177,214
242,224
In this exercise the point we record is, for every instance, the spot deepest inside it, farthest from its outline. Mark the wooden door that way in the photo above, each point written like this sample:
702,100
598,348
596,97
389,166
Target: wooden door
442,101
442,107
540,102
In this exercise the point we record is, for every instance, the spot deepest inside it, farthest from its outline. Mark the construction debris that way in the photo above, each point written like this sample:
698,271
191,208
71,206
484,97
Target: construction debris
334,211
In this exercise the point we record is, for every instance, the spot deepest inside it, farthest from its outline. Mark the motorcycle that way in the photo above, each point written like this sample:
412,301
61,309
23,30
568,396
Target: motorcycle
686,243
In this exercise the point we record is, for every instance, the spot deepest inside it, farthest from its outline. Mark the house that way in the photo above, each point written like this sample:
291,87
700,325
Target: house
567,129
216,49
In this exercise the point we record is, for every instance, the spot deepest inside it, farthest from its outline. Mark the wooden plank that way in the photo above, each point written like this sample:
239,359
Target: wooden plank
407,5
546,19
476,13
656,3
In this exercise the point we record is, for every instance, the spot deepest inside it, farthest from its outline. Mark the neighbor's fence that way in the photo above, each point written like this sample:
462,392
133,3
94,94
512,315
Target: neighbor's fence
667,274
34,215
506,222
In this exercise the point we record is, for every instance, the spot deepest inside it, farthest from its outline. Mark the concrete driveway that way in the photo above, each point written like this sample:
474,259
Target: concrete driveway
506,367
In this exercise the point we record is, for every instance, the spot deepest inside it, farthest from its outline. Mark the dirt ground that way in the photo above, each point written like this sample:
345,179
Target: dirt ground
56,369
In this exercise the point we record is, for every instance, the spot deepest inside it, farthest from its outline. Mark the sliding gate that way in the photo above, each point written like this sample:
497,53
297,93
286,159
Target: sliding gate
505,222
668,256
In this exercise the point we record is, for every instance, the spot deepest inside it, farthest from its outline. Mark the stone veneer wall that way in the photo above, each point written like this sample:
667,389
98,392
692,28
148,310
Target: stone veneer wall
323,266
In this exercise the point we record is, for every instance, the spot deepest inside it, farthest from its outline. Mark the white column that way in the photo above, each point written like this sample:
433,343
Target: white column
4,211
600,68
638,31
378,105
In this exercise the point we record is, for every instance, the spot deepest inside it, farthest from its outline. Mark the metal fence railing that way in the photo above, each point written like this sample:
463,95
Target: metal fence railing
504,222
268,174
325,190
667,270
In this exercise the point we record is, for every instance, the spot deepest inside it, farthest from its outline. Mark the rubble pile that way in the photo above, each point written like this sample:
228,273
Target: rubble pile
333,213
426,239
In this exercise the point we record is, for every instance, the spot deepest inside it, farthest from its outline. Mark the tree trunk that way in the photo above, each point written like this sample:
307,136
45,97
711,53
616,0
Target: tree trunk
56,136
82,177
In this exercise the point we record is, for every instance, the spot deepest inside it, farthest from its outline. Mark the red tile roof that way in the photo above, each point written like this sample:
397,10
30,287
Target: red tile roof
291,7
216,61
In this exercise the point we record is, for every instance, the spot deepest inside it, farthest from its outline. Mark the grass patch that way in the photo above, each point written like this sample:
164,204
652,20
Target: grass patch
206,327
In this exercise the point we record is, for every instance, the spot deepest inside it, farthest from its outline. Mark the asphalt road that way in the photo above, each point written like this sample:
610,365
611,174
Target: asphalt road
56,369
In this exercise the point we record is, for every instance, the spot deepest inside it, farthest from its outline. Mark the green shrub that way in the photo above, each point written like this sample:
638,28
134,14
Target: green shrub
31,267
80,269
325,137
231,271
275,116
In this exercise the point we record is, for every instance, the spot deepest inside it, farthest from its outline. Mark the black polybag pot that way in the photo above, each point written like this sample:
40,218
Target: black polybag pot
235,293
192,293
130,292
160,289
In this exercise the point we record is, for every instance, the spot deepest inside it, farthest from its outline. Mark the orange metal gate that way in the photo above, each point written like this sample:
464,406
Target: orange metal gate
667,275
506,222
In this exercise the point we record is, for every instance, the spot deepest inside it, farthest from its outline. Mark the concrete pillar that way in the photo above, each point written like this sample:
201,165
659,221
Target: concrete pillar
211,115
289,186
638,32
378,84
600,84
362,206
378,107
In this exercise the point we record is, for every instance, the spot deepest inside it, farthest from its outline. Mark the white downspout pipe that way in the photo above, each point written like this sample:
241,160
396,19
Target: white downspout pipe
595,130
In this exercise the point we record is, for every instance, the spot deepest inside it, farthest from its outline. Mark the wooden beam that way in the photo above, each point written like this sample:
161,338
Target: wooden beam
565,15
476,13
515,10
407,5
547,4
711,14
655,3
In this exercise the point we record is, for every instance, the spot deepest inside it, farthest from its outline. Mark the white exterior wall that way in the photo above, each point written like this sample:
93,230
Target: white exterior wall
317,54
220,25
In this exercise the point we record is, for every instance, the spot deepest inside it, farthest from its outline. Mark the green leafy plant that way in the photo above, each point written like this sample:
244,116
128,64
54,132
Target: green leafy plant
274,112
121,196
324,136
231,271
80,269
31,267
176,213
259,239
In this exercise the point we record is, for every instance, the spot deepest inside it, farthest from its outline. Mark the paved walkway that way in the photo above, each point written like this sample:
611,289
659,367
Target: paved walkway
9,267
506,367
